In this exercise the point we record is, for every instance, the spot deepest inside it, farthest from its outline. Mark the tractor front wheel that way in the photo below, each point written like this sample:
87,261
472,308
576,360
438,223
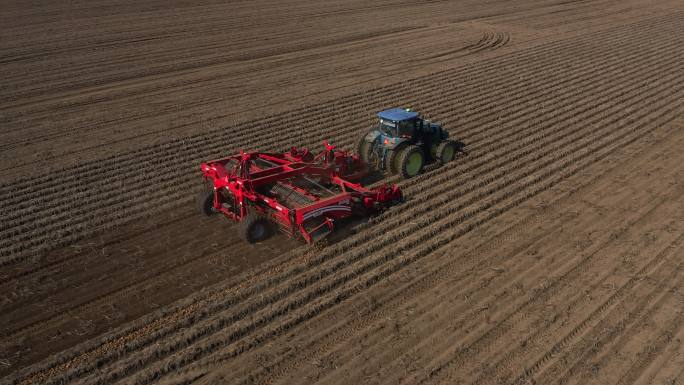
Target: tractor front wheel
205,203
411,161
446,151
254,228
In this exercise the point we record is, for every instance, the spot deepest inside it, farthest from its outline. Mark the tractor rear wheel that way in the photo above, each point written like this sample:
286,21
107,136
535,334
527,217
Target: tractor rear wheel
411,161
363,148
391,161
392,164
446,151
205,203
254,228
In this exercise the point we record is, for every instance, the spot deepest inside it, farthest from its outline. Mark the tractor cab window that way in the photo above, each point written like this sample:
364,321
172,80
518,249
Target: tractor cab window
405,128
388,127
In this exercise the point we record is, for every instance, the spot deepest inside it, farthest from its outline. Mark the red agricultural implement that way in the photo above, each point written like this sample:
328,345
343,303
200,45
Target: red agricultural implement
300,193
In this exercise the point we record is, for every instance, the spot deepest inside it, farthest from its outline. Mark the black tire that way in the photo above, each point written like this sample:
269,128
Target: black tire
205,203
363,148
254,228
446,151
392,163
399,200
404,156
358,209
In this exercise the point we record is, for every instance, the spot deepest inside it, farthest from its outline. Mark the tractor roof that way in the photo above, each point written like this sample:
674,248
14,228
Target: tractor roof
397,114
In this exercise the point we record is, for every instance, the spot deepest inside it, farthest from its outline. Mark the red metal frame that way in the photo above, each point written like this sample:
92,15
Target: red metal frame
248,182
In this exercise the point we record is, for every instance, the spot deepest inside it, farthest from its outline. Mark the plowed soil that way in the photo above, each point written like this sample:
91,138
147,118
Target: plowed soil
552,253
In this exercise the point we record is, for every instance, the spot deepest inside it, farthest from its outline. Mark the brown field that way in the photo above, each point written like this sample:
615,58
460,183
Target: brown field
553,253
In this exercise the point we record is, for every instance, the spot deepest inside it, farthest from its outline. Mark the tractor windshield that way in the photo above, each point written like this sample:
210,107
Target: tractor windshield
403,128
388,127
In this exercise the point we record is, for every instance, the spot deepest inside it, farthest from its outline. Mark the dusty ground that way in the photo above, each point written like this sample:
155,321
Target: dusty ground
551,254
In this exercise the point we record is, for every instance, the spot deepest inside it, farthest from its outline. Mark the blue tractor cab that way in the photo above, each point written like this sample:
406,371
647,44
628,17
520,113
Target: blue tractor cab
403,143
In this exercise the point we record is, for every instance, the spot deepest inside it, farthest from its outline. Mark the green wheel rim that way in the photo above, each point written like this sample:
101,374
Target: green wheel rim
414,163
448,154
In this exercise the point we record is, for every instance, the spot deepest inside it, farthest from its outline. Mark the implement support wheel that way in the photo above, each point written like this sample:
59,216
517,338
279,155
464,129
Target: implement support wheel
205,203
254,228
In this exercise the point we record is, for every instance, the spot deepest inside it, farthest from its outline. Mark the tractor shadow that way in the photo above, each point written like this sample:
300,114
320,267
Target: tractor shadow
372,178
378,176
344,228
460,148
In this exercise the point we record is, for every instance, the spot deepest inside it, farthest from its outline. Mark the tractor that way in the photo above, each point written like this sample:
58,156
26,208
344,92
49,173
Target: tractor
403,143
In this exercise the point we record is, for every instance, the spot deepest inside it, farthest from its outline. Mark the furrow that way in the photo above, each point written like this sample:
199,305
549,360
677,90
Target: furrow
612,326
654,263
306,298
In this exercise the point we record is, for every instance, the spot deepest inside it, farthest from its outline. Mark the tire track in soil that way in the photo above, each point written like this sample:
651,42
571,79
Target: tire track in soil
490,40
616,322
635,330
123,202
651,352
653,265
